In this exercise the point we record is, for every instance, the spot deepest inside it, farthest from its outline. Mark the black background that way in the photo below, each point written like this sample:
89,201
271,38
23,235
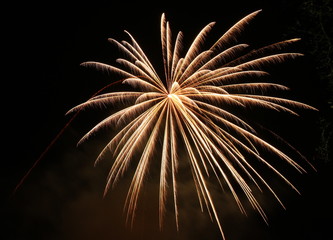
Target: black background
43,46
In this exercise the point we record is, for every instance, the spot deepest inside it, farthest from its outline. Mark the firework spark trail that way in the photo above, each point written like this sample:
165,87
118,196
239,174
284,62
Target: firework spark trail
55,139
187,107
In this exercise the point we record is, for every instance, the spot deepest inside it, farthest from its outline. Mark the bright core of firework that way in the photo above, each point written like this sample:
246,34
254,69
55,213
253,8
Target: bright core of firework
188,107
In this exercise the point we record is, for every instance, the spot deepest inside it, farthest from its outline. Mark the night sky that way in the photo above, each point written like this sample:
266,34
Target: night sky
44,44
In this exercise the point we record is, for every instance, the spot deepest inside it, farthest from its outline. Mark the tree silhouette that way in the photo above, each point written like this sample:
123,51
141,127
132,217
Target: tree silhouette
314,25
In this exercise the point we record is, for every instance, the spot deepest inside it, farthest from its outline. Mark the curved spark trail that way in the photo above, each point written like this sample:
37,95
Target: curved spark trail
55,139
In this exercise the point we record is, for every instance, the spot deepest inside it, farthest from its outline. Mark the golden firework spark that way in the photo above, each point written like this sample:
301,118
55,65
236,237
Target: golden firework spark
188,107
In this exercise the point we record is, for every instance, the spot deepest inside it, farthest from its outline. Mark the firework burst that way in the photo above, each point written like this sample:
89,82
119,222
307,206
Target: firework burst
190,106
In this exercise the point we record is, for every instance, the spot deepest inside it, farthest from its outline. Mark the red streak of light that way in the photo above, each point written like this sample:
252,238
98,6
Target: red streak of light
55,139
